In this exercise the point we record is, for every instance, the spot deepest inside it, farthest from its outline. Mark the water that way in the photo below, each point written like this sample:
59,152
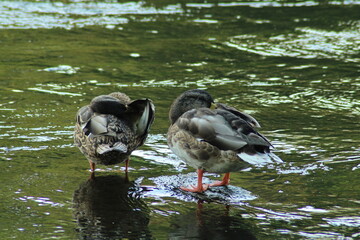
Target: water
292,65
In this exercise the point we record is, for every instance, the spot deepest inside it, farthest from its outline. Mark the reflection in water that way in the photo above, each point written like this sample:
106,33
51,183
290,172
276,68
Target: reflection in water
109,207
209,222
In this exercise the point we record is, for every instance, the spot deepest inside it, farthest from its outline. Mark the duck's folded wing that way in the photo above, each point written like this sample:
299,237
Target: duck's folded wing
248,118
221,129
98,125
243,127
93,124
90,123
94,119
83,116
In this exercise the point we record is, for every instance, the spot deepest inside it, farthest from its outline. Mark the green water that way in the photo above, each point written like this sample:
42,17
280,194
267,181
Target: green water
292,65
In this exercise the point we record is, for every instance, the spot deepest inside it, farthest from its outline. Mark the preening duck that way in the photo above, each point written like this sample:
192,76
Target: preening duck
219,140
111,127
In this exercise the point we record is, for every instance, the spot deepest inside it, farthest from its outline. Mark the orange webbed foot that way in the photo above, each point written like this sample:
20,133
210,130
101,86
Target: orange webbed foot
225,181
218,183
196,189
200,186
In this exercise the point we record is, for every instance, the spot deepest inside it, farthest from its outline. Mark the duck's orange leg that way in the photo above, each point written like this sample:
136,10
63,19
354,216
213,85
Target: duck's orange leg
92,166
127,164
92,169
225,181
200,187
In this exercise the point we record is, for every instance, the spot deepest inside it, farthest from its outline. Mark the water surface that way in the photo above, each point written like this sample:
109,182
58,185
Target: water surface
292,65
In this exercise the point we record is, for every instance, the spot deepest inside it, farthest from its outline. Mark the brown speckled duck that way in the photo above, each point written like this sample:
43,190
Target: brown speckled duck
111,127
219,140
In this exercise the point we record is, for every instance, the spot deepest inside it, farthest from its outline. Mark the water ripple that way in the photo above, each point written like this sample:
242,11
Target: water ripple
19,14
41,201
306,42
261,4
344,221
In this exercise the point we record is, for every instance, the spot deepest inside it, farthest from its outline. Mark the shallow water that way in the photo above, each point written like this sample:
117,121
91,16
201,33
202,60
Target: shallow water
292,65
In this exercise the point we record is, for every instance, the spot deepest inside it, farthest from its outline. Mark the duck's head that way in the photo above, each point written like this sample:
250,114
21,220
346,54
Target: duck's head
191,99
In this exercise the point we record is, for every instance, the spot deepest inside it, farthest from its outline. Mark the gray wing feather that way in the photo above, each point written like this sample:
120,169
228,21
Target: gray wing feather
84,115
98,125
248,118
218,128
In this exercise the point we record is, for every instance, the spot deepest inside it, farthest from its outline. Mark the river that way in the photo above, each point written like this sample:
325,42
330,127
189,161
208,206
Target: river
293,65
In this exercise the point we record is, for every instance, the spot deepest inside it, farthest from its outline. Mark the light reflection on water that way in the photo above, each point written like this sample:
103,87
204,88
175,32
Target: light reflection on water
41,201
305,43
60,15
344,221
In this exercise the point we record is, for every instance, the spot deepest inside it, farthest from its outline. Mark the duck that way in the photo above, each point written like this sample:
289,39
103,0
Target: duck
111,127
214,137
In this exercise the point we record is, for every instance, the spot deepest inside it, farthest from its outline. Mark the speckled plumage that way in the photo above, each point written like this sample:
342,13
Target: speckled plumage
219,140
111,127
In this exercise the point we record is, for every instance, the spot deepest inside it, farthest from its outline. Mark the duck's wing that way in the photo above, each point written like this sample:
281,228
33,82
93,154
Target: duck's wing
222,129
245,127
83,116
101,122
96,118
246,117
90,122
140,115
94,125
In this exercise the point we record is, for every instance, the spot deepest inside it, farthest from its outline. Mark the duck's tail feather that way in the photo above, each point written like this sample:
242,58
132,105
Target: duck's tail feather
145,120
260,159
104,148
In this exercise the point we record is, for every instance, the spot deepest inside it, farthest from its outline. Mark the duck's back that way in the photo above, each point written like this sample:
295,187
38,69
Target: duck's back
105,139
107,130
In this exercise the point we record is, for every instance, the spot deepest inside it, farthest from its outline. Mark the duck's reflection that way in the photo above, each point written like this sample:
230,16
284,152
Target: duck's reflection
212,223
109,207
